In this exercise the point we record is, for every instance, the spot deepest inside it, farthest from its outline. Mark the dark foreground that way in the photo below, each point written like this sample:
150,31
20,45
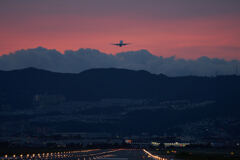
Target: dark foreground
126,154
92,154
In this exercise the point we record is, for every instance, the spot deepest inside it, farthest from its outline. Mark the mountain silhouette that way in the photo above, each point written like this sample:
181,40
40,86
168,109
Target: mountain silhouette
19,89
22,85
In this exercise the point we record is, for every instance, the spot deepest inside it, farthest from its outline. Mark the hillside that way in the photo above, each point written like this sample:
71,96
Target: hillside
22,85
115,100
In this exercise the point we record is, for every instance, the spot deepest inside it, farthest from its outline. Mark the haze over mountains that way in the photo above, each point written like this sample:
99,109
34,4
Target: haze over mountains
82,59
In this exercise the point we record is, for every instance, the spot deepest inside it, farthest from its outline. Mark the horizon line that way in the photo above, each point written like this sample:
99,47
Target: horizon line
114,54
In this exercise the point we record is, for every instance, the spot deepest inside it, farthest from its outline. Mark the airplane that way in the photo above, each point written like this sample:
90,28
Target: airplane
120,44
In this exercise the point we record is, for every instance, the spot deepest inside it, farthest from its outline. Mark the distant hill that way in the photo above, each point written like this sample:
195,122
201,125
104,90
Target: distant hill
118,101
18,87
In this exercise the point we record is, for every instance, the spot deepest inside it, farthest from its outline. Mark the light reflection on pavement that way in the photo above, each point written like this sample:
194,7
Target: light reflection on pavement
96,154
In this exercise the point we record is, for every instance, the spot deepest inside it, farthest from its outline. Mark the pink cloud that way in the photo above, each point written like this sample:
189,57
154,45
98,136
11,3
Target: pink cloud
189,38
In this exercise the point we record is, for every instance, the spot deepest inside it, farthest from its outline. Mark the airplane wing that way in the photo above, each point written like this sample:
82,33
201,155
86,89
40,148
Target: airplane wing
116,44
120,44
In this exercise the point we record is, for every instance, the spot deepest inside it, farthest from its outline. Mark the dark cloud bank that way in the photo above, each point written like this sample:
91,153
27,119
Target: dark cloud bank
82,59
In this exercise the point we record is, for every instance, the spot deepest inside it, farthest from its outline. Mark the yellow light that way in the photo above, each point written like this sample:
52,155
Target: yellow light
153,156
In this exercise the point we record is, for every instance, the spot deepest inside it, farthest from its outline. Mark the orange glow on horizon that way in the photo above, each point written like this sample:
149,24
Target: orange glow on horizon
190,39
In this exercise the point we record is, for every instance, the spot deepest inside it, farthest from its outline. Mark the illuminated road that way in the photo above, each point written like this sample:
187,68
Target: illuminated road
97,154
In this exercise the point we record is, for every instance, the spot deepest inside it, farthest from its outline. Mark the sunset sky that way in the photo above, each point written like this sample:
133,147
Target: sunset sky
182,28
